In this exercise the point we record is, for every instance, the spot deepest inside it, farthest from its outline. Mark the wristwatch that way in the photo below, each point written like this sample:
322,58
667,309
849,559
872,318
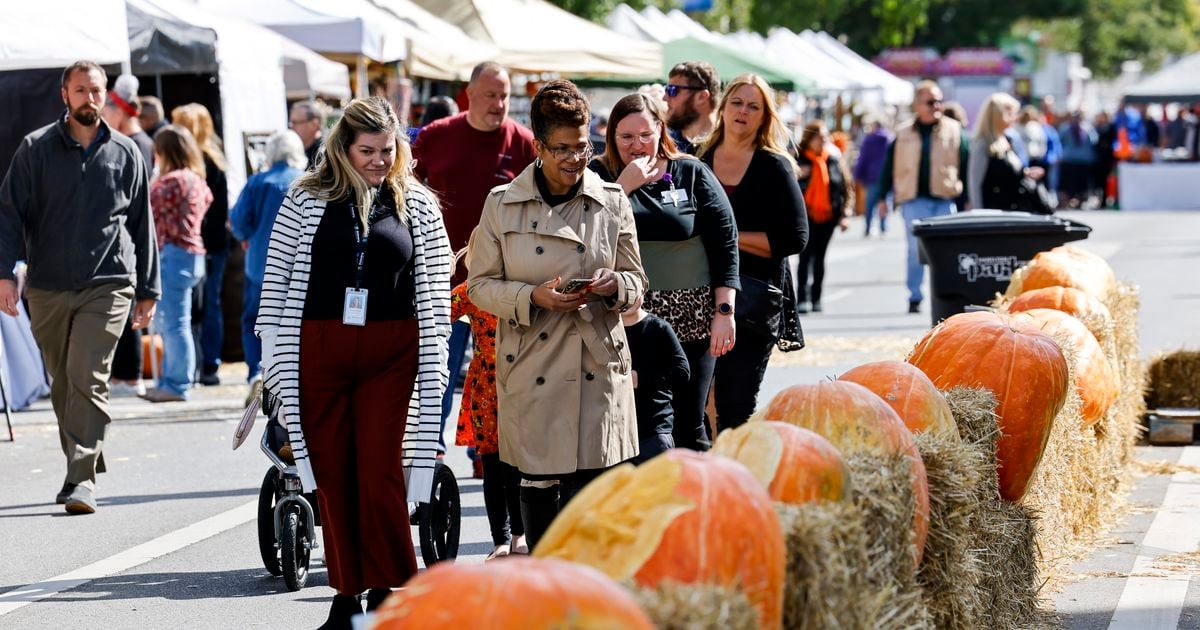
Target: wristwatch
725,308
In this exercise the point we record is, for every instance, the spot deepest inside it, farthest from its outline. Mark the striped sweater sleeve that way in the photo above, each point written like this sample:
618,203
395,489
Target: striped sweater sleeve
432,267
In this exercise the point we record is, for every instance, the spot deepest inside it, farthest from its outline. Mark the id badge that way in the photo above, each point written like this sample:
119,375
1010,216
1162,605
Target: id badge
354,311
675,196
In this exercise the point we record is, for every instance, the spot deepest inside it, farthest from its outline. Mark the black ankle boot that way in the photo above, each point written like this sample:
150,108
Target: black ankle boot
376,597
343,608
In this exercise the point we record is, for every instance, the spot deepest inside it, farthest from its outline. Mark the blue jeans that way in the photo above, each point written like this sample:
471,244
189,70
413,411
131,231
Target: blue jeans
920,208
251,345
212,328
460,336
872,201
181,271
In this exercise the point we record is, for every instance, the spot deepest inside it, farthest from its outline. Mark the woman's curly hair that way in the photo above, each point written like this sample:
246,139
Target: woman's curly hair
558,103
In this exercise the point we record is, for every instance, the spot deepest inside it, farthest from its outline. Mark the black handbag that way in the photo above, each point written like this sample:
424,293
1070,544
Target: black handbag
1033,196
759,307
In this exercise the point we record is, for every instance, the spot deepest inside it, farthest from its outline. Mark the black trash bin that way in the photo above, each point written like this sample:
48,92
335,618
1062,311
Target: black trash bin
972,255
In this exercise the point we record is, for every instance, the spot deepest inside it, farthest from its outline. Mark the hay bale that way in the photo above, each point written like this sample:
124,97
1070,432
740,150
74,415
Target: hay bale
881,490
952,572
1174,380
826,559
1004,545
1079,488
675,606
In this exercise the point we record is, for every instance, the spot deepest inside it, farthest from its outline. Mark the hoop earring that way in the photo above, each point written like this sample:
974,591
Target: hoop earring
537,162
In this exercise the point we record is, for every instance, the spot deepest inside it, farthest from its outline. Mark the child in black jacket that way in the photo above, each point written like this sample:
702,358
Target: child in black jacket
659,367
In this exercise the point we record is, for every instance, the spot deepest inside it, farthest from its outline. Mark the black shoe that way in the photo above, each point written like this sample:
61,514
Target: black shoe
344,607
914,307
81,500
210,379
376,597
816,307
64,494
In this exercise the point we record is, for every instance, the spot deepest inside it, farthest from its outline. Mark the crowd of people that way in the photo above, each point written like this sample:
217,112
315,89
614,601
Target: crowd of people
622,277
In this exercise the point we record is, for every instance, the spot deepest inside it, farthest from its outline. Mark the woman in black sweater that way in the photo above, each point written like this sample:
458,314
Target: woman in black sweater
995,173
826,196
746,154
689,247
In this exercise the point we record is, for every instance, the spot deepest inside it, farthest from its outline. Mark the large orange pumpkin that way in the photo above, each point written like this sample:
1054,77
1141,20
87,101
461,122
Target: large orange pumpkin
909,393
1020,364
1068,266
682,516
1095,379
1065,299
516,594
856,420
795,465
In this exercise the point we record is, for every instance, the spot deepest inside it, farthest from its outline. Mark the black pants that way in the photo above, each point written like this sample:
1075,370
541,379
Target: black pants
502,499
653,446
813,259
127,361
739,376
691,423
539,506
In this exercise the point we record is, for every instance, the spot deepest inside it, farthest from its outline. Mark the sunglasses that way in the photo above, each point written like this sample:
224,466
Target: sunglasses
933,101
673,90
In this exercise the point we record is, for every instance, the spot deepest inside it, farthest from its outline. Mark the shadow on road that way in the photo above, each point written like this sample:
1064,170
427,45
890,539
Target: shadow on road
136,499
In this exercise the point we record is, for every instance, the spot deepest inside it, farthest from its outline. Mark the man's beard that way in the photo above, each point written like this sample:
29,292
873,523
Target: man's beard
86,115
680,120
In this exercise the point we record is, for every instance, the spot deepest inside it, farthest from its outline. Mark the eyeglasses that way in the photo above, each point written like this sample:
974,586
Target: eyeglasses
933,102
295,123
673,90
563,154
628,139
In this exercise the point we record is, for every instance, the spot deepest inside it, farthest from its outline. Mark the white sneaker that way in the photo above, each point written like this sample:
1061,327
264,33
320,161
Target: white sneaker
126,390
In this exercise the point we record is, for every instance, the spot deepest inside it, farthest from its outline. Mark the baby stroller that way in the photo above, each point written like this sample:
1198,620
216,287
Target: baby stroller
287,517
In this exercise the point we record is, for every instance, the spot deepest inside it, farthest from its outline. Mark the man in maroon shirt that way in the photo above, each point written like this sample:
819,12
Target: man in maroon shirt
462,158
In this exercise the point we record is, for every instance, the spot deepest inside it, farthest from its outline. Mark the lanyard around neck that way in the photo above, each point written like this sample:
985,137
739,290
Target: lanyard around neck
361,236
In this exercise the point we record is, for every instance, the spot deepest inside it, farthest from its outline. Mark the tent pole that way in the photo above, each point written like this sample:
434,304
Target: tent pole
360,77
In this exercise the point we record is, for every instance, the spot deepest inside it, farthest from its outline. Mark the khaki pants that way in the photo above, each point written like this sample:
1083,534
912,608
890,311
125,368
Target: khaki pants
78,332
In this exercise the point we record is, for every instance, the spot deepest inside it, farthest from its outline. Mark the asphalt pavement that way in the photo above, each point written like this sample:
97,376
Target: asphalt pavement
174,541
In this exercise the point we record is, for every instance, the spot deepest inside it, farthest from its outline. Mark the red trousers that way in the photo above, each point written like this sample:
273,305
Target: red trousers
355,384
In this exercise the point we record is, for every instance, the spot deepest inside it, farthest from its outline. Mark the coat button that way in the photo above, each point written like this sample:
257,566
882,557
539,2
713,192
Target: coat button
620,345
541,381
543,336
540,250
510,358
535,225
512,322
589,376
580,248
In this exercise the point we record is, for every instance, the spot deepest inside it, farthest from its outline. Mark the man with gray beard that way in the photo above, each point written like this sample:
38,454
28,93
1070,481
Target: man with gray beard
692,92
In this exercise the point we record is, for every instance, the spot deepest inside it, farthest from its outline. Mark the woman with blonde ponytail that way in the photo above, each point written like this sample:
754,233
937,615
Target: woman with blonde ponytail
354,322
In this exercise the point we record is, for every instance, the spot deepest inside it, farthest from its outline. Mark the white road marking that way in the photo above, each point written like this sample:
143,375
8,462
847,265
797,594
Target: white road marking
125,560
1153,598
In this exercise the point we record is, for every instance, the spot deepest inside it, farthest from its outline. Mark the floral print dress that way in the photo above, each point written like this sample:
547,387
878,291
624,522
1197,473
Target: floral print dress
477,419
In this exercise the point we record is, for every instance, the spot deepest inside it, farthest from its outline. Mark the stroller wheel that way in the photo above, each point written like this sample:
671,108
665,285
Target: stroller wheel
266,522
293,550
439,520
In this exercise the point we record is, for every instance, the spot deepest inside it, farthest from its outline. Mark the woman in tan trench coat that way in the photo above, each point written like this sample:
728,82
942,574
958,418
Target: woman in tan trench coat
563,382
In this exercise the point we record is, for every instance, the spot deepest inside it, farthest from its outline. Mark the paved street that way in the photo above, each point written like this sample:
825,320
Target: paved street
174,542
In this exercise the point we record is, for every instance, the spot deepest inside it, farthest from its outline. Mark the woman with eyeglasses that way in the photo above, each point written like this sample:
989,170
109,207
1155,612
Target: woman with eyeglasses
555,258
689,247
748,157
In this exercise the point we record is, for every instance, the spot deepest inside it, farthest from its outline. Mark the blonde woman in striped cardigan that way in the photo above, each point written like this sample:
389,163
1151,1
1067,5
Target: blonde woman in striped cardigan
354,321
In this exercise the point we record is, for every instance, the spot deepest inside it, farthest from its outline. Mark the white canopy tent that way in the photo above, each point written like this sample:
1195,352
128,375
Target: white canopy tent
249,59
346,27
668,28
535,36
892,89
306,73
628,22
784,46
33,36
692,27
439,49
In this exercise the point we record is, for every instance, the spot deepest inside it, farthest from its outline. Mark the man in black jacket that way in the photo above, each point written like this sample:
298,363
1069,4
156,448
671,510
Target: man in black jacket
75,206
